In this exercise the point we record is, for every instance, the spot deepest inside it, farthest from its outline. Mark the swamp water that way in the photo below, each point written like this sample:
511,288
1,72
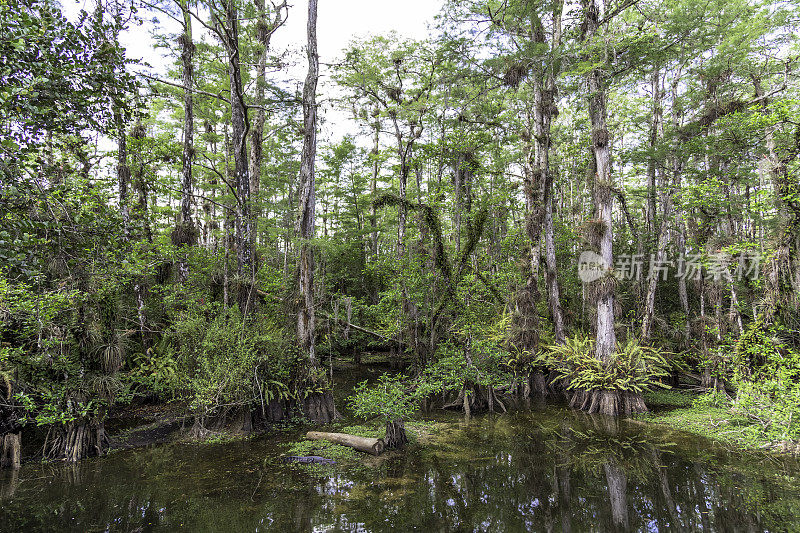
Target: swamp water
543,469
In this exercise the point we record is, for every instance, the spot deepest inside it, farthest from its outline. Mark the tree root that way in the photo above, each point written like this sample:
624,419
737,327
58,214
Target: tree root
78,440
607,402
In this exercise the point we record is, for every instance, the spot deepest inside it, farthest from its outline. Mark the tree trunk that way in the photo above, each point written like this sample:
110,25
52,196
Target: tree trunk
656,131
549,110
305,223
680,233
240,129
185,229
140,181
396,437
783,270
602,235
123,173
526,315
373,220
11,450
139,288
553,290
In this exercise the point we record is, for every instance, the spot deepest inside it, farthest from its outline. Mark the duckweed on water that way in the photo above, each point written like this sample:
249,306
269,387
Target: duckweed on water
669,398
714,423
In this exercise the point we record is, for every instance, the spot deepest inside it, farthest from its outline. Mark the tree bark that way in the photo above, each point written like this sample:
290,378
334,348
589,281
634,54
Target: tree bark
603,289
553,289
659,250
306,320
11,450
549,110
240,129
373,220
185,230
123,173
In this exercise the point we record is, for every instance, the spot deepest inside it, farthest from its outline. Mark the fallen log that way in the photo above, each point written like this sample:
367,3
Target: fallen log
362,444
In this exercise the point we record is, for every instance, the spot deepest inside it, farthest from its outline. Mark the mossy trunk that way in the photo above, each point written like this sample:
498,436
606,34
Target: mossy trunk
275,411
396,434
538,384
10,427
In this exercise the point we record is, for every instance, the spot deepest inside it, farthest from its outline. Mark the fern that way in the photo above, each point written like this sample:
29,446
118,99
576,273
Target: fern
633,368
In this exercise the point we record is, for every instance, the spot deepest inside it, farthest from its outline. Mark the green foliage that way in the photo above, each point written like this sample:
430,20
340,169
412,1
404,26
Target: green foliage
66,350
57,76
157,369
452,370
226,361
390,398
767,382
633,368
669,398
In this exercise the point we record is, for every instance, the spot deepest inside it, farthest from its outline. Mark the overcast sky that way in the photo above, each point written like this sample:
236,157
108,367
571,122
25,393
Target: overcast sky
339,21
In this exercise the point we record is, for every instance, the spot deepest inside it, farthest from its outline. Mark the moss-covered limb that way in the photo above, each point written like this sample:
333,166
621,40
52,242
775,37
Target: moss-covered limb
443,262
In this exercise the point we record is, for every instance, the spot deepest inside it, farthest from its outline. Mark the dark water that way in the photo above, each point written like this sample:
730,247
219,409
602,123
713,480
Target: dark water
543,470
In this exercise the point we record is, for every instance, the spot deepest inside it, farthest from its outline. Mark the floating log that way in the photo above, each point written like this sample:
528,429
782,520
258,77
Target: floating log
362,444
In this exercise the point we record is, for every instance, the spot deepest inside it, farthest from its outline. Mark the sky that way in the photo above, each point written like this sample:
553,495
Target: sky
338,22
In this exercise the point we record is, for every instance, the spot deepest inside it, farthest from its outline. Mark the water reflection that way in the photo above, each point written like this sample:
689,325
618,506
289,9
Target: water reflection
551,470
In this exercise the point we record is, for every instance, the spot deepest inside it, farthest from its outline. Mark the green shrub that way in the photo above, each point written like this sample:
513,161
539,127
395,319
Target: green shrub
226,362
453,371
157,369
391,398
767,382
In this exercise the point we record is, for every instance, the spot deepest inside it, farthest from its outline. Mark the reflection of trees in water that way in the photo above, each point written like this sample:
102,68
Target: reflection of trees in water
589,474
9,480
646,488
561,474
